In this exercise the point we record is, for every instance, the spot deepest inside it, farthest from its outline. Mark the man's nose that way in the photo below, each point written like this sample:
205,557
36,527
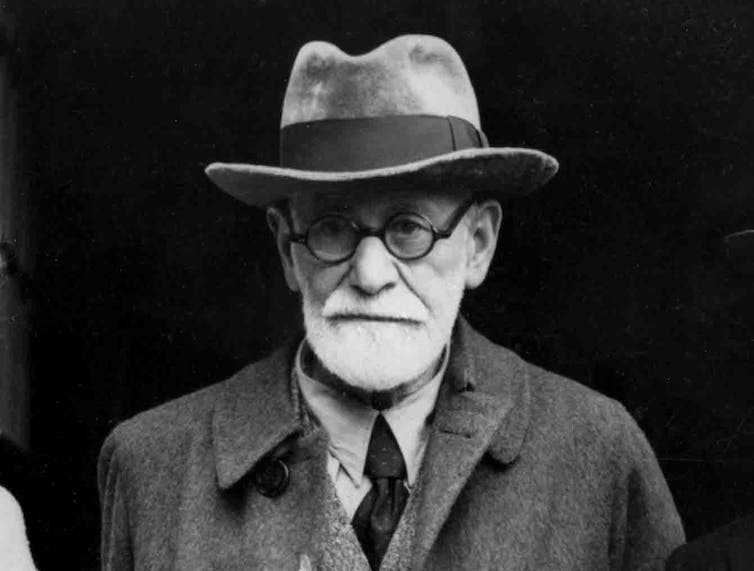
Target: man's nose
372,267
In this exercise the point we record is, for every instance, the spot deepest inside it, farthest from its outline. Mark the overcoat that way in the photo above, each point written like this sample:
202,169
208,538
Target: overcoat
524,469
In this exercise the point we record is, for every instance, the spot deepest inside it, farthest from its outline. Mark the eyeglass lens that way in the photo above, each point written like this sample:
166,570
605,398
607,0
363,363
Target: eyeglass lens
409,236
332,238
335,237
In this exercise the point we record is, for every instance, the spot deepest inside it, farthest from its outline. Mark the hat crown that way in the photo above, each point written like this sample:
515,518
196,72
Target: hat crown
408,75
403,116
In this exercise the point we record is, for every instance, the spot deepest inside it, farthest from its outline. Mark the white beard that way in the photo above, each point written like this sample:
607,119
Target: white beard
377,355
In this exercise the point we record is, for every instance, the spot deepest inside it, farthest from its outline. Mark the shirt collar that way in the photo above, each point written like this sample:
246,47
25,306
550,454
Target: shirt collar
348,421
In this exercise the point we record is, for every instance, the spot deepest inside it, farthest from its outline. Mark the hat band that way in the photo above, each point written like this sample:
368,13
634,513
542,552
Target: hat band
341,145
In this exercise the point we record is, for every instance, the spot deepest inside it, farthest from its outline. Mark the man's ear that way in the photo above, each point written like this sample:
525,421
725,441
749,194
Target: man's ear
279,226
483,228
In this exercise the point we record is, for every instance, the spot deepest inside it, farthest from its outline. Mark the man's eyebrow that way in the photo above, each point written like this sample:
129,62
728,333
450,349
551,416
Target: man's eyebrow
331,208
404,204
427,208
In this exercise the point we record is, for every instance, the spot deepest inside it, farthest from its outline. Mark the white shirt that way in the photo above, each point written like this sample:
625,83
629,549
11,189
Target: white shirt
348,423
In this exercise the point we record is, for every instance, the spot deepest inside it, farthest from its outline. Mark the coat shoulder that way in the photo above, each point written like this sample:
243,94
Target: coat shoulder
566,400
166,429
585,424
552,396
558,409
175,417
566,415
582,451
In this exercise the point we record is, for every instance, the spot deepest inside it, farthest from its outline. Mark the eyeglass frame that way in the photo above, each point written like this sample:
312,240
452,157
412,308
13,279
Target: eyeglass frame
365,232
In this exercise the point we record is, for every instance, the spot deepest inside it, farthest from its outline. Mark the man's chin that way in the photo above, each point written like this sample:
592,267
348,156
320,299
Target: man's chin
369,360
374,370
375,341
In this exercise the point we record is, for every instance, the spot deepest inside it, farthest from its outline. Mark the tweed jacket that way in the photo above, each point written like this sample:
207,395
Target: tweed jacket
523,470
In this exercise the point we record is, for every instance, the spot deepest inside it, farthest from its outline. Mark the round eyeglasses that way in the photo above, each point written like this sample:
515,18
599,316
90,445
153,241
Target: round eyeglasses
407,235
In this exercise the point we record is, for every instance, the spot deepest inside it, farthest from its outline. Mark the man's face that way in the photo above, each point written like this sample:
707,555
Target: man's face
374,320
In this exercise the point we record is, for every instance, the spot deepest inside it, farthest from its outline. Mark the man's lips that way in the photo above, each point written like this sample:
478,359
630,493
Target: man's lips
345,317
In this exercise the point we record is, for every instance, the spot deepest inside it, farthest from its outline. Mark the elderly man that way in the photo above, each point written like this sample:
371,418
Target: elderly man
391,436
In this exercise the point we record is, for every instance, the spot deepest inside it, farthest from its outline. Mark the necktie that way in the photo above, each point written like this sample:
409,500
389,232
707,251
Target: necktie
380,511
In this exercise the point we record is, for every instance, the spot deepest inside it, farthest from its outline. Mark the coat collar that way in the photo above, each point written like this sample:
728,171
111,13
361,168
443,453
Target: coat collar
253,415
483,407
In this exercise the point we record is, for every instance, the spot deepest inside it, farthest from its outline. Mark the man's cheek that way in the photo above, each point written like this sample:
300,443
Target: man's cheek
324,282
307,277
425,285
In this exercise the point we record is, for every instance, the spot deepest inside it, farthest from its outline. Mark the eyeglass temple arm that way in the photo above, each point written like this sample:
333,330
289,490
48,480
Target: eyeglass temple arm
292,235
455,222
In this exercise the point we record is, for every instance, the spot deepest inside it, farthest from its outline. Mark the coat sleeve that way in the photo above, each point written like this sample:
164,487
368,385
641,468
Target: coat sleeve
116,553
646,525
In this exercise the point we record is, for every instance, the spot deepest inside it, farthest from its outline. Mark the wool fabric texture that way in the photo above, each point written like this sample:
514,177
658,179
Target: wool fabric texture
524,469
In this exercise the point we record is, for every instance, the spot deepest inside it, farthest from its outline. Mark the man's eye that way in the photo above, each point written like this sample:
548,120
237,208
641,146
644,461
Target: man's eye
331,226
407,226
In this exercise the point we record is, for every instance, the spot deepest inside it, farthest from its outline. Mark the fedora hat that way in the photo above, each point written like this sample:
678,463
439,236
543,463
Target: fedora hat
401,116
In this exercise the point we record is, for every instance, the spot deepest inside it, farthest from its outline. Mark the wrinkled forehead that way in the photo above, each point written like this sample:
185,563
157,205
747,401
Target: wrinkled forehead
306,206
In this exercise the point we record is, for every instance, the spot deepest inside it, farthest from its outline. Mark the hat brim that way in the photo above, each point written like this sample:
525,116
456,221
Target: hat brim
505,172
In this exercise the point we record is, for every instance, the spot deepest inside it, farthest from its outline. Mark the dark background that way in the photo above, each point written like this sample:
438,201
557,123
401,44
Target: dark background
149,282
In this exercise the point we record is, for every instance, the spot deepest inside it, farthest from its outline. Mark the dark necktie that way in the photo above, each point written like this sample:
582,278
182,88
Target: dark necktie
380,511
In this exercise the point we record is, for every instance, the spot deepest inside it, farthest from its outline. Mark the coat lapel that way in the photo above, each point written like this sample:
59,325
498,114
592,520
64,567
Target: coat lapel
253,416
256,417
483,407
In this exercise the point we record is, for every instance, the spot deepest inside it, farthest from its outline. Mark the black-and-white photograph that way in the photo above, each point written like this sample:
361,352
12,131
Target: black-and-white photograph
376,285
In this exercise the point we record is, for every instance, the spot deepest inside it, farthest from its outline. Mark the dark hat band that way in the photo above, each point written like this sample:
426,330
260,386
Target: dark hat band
342,145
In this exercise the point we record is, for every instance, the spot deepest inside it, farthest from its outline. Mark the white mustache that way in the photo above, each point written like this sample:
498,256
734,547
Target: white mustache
392,306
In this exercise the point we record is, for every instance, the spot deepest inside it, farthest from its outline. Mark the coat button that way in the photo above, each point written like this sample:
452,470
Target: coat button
271,477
